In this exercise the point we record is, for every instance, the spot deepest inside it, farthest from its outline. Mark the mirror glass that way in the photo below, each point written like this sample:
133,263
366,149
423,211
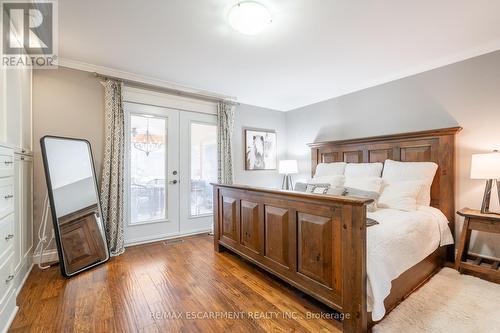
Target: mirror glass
74,201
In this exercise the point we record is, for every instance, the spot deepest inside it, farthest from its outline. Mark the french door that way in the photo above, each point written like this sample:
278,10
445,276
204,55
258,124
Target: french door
170,162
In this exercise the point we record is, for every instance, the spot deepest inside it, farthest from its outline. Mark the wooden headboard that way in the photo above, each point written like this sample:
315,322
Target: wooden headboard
436,146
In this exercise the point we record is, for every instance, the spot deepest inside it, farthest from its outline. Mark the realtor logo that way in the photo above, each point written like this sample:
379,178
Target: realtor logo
29,33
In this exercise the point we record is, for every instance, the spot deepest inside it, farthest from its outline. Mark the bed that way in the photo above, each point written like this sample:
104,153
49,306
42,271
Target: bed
320,243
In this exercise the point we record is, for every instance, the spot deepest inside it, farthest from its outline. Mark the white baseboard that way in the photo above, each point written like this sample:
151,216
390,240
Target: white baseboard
48,256
146,240
10,320
23,281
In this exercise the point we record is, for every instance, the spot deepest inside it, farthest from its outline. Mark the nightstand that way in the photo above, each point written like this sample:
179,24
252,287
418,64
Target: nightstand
478,266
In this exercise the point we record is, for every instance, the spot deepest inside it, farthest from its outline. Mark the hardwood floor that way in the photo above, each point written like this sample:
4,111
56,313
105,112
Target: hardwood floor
147,287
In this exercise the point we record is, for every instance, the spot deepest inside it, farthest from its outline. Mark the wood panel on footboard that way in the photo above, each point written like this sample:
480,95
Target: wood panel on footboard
317,243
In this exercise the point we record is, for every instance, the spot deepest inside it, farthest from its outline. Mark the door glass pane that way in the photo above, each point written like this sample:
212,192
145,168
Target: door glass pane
203,167
147,168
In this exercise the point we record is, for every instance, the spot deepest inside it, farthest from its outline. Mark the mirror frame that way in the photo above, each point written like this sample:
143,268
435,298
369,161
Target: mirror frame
55,221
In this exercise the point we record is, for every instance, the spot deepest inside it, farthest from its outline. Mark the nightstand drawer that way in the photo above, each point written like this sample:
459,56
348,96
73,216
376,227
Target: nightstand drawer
6,196
6,236
6,162
6,277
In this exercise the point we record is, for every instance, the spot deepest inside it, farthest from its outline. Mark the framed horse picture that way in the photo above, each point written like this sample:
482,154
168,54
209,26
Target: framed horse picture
260,149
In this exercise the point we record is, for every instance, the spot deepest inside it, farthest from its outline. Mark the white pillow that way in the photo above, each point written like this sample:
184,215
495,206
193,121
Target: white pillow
334,181
400,195
370,184
363,170
424,172
330,169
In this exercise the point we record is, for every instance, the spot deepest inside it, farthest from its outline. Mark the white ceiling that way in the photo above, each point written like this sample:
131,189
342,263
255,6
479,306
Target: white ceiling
313,50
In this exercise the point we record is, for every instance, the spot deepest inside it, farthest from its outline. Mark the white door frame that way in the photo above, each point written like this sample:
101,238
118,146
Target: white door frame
200,108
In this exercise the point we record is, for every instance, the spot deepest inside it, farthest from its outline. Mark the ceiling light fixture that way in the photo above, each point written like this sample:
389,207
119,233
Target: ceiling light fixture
249,17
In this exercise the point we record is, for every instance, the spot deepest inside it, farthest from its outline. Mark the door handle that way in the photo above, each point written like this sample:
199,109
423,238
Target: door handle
173,182
9,236
8,196
8,162
10,278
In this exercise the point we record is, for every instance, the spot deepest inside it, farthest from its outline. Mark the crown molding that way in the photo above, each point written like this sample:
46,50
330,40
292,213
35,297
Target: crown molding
141,79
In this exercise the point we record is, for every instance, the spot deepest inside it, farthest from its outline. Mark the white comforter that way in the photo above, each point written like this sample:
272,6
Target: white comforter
398,242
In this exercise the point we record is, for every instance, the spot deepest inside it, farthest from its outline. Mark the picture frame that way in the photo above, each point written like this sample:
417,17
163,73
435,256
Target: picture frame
261,149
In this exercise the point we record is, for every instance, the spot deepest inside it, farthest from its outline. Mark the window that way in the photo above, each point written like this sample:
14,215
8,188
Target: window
147,169
203,167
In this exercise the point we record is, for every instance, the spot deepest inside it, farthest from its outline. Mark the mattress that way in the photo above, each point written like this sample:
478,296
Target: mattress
400,241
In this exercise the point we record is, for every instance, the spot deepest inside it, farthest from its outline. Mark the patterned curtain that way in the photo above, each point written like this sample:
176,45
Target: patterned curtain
112,178
225,121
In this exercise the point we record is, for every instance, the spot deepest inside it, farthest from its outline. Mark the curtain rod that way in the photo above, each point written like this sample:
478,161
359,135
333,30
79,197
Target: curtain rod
171,91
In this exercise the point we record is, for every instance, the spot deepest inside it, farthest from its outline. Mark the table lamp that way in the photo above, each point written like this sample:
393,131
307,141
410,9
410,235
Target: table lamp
287,168
487,167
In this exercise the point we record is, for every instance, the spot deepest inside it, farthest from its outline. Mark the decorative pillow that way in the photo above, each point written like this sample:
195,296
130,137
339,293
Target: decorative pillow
334,181
321,189
400,195
339,191
363,170
330,169
424,172
354,192
370,184
310,187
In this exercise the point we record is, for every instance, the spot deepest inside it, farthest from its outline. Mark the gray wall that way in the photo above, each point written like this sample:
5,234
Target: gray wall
466,94
68,103
248,116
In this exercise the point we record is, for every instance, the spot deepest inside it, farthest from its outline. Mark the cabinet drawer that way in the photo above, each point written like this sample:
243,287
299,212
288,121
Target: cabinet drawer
6,235
6,196
6,278
6,162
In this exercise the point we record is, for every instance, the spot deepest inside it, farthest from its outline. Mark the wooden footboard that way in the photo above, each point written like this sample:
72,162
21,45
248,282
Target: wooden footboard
316,243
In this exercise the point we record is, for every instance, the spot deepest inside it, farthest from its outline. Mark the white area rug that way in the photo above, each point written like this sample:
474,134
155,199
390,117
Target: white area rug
449,303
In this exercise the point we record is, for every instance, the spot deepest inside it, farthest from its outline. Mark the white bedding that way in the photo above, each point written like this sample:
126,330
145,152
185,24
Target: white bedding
398,242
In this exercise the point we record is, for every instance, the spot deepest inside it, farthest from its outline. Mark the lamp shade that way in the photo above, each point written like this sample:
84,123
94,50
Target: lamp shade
485,166
288,167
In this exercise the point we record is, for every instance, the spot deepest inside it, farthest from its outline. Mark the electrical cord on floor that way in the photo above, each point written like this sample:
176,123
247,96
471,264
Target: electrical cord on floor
43,244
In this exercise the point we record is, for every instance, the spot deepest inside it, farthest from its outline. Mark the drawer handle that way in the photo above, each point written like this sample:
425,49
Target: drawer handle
10,278
9,236
8,196
8,162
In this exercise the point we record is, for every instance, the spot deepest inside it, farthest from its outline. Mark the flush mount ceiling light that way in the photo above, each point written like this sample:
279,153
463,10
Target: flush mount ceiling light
249,17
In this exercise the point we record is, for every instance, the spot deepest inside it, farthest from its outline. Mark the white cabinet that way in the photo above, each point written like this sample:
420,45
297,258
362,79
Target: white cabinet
23,213
3,116
16,179
8,235
16,229
15,108
26,115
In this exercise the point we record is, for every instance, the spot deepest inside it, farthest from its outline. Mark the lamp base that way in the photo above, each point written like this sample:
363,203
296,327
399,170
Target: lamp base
485,207
287,183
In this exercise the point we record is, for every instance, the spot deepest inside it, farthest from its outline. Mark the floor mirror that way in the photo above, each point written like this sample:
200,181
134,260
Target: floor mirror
74,201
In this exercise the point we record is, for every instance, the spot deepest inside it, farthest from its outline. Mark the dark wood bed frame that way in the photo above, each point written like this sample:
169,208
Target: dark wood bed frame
317,243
